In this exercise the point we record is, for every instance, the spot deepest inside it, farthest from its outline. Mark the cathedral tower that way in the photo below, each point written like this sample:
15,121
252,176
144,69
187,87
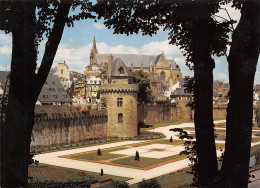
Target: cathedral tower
93,53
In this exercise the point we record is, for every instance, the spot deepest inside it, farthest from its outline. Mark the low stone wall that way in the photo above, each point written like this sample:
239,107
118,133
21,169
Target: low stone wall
56,129
219,112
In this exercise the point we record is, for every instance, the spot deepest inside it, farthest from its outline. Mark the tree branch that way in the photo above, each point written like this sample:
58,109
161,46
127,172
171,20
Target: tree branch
52,45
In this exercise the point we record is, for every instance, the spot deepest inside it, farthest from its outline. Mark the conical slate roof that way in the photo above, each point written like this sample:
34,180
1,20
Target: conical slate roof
119,65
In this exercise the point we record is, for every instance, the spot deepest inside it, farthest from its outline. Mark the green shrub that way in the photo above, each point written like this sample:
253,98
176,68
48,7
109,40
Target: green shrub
151,183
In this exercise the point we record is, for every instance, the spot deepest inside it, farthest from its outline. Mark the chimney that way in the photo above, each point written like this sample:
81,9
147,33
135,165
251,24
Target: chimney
132,67
110,65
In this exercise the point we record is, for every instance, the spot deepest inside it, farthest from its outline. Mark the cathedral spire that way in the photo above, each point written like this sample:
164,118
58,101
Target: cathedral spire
93,53
94,43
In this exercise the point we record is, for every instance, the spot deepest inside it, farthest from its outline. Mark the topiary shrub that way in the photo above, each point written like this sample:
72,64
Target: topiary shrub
137,157
99,152
171,139
102,172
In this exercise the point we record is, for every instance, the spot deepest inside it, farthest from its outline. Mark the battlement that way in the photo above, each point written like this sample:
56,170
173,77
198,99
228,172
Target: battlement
119,87
70,115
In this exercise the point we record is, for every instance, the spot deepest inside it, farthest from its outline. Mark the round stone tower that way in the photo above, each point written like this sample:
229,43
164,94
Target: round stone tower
118,94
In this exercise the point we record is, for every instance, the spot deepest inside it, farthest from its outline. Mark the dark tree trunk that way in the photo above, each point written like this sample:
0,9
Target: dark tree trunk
20,109
242,61
25,87
203,120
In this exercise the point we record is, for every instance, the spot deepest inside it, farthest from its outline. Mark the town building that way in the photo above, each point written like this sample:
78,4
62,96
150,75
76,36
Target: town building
62,72
53,92
92,89
4,87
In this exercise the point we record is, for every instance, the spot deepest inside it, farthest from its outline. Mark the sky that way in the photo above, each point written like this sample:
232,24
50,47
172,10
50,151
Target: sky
76,44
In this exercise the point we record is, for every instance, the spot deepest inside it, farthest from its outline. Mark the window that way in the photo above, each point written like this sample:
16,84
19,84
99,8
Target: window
53,83
120,118
103,103
120,101
61,71
121,70
65,96
55,96
179,98
51,89
162,75
45,96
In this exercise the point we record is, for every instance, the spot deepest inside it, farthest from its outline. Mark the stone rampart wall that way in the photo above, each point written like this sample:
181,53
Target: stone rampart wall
56,129
152,113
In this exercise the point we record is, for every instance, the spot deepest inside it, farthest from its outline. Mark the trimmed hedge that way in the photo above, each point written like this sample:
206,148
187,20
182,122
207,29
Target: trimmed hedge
153,135
73,182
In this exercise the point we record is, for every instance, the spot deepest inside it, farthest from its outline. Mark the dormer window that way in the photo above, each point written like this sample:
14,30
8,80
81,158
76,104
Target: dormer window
121,70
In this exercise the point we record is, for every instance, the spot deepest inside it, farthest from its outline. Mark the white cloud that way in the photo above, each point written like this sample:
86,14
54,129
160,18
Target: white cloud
221,77
120,49
5,44
99,25
5,39
5,50
154,48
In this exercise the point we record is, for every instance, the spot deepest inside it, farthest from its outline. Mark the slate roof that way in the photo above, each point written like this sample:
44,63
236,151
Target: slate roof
116,66
136,59
57,89
53,82
182,82
181,91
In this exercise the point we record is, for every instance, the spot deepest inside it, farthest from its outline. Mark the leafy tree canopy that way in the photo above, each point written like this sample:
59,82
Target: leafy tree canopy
185,20
143,81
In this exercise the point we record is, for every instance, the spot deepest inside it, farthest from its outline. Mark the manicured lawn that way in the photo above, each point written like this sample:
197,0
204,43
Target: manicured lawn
174,142
128,160
93,156
144,161
45,171
173,180
165,123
